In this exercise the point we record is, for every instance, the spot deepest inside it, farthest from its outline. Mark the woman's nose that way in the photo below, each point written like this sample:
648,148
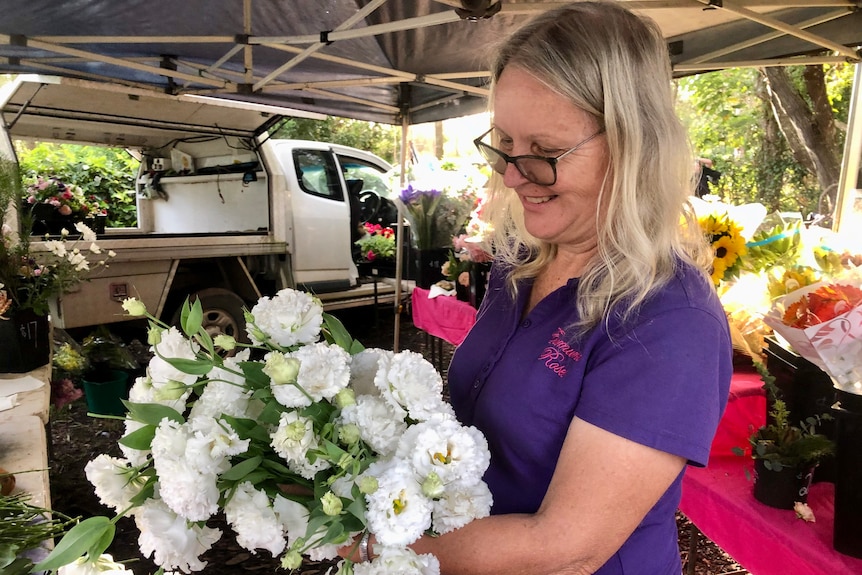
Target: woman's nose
512,176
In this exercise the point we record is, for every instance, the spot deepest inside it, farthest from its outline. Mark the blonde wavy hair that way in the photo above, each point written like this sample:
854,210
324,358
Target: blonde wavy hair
613,65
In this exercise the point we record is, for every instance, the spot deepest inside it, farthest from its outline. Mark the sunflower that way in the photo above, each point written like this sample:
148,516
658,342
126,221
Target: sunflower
725,235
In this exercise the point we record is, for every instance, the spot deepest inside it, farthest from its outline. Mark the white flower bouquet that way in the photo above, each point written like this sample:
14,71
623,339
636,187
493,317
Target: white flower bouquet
302,444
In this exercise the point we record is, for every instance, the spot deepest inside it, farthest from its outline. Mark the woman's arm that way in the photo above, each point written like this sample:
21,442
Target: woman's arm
602,488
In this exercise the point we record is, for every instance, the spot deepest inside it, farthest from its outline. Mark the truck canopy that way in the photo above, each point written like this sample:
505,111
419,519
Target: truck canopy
50,108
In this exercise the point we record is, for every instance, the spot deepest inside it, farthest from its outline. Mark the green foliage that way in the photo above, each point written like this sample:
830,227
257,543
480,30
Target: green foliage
780,444
379,139
731,122
106,173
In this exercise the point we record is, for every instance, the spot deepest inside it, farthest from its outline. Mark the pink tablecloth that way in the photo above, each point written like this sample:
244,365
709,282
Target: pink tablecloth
443,316
718,500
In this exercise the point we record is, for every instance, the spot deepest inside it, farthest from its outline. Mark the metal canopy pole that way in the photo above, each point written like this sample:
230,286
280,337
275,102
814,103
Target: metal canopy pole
399,244
848,182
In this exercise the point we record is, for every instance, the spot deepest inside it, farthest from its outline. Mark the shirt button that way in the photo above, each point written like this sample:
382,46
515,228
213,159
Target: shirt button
477,383
526,323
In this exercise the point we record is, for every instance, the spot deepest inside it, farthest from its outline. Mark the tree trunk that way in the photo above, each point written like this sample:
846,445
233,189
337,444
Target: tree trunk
808,128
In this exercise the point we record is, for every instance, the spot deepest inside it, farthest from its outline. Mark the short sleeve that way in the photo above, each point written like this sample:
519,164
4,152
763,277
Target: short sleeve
664,384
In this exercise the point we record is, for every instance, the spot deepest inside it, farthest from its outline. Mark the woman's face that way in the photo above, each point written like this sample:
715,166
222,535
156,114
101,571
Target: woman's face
530,118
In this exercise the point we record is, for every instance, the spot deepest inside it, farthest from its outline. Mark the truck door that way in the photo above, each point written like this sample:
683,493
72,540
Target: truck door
321,216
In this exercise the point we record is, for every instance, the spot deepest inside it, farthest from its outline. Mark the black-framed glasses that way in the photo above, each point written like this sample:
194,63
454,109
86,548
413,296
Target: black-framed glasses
541,170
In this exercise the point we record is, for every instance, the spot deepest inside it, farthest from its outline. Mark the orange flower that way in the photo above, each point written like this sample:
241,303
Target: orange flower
823,304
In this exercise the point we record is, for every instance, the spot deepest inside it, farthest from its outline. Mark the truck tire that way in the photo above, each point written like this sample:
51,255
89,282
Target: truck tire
223,313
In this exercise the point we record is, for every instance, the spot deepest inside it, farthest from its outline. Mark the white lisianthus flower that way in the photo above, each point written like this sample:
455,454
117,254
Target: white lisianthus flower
104,565
324,370
443,446
173,344
115,482
186,489
292,516
291,317
293,439
173,542
398,513
212,443
364,367
461,504
411,384
398,561
253,519
224,394
379,426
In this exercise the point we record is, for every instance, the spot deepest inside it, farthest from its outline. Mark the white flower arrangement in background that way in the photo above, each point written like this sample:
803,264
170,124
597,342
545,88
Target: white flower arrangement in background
303,444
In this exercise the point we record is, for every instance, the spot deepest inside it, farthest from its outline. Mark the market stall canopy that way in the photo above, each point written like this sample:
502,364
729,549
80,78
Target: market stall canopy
382,60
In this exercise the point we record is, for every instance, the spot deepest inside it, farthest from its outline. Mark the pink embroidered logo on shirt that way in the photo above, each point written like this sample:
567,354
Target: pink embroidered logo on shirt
556,353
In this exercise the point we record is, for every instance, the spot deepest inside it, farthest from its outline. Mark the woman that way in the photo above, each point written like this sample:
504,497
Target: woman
600,362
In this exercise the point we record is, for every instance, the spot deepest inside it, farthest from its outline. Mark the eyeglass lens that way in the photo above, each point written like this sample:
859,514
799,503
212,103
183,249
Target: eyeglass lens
537,170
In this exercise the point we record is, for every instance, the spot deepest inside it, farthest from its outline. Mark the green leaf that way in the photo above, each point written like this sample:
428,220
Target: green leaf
140,439
254,375
19,566
357,509
247,429
76,543
152,413
190,366
335,332
242,469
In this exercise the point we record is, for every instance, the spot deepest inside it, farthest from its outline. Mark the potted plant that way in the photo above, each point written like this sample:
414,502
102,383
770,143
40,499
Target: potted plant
30,281
784,454
377,249
106,379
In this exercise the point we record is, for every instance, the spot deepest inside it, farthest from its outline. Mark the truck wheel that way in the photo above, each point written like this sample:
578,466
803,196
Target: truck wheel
223,313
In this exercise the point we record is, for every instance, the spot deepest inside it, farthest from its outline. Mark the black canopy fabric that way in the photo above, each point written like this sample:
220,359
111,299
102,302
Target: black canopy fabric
390,61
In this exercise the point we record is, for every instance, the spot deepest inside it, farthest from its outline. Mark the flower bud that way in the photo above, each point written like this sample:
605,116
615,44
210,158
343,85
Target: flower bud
291,560
368,485
348,434
280,368
345,397
134,306
224,341
432,487
332,505
154,335
170,391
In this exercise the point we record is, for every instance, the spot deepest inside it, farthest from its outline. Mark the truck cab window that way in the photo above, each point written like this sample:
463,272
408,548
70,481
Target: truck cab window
317,173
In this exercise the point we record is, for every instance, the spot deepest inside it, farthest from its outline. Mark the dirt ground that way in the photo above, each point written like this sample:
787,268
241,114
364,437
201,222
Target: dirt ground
77,438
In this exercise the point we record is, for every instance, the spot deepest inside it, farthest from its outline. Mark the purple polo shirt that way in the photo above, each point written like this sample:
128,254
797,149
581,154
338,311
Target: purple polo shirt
661,380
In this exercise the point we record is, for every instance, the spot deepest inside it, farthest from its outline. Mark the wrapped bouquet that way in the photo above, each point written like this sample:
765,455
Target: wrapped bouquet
303,442
823,324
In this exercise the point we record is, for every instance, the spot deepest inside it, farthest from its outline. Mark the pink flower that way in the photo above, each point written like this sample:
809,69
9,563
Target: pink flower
370,256
464,279
65,210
